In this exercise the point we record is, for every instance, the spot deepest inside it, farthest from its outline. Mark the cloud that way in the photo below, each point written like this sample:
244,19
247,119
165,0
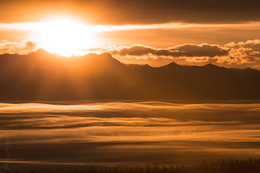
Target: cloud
16,47
252,44
190,50
139,131
129,11
247,48
247,52
190,11
241,54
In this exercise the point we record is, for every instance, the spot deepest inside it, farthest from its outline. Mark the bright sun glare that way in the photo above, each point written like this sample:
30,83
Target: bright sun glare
65,36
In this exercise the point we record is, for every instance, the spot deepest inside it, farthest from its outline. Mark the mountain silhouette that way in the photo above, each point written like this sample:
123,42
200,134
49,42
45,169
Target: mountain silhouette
44,76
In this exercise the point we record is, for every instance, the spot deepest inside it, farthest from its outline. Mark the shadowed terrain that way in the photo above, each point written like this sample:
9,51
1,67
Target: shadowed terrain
43,76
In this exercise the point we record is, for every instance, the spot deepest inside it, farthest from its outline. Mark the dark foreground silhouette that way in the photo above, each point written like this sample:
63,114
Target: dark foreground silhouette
43,76
221,166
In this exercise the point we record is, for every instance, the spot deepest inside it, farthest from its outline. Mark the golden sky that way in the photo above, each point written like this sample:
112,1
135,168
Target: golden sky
154,28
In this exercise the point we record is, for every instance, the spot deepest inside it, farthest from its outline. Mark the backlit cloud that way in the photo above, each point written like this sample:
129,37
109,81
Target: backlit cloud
176,51
241,54
16,47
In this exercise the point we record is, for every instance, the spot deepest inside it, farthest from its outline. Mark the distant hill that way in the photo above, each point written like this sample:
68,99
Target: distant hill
43,76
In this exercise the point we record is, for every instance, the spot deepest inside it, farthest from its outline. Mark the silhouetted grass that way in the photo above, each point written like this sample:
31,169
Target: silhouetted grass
221,166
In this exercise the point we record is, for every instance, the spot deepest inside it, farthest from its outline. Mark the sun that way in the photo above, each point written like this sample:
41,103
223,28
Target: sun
66,36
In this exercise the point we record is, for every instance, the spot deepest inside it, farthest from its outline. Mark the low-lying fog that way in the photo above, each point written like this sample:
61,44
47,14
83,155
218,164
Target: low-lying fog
127,133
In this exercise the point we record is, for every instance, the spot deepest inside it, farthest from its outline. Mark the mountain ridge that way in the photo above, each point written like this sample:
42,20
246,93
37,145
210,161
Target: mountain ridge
44,76
42,52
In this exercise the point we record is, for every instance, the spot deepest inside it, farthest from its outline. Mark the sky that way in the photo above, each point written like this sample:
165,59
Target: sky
188,32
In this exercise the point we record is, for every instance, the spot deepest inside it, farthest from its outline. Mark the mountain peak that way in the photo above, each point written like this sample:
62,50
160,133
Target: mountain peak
213,66
107,57
210,65
41,51
172,64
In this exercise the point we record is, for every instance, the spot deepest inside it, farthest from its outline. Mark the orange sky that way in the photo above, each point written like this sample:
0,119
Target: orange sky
110,25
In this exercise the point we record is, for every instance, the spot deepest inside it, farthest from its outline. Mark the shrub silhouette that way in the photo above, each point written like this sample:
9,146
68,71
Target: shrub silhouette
220,166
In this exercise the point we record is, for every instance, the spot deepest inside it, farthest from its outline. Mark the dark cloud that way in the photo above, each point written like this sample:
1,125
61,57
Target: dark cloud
203,11
136,11
177,51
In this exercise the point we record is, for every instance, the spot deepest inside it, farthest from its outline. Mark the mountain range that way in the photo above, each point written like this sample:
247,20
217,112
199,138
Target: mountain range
44,76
